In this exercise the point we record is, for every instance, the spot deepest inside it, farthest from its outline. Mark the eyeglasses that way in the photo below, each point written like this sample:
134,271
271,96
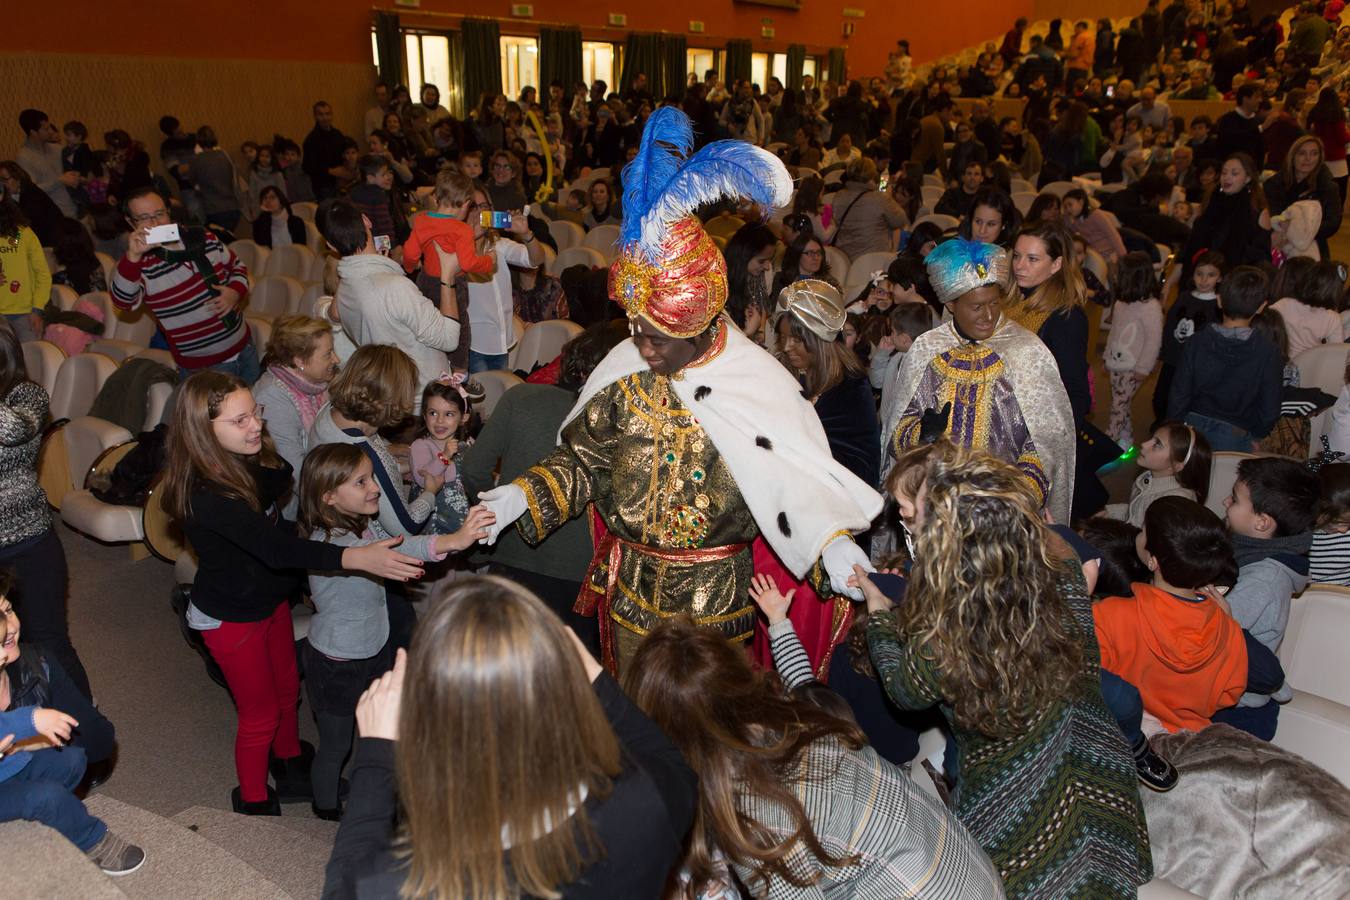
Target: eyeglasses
241,422
506,167
815,253
147,218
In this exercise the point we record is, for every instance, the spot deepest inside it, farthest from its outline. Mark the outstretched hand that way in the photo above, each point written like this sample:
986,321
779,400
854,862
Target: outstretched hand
933,424
377,710
771,601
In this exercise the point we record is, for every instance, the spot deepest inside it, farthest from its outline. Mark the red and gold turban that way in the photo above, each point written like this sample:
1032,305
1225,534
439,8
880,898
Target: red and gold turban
684,292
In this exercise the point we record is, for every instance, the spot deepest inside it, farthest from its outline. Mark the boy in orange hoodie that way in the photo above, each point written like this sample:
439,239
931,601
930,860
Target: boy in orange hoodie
1178,646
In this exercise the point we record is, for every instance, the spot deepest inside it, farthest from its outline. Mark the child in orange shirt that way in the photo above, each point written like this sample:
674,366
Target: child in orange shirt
447,228
1174,640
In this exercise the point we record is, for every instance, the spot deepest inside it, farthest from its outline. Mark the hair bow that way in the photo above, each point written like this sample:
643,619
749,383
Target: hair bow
455,380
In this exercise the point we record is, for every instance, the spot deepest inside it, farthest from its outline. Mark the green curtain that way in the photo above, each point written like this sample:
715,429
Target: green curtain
559,59
482,41
738,62
389,42
836,68
677,66
455,101
796,57
642,56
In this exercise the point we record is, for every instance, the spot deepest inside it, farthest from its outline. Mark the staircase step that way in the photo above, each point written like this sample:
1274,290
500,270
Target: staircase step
180,864
39,862
290,851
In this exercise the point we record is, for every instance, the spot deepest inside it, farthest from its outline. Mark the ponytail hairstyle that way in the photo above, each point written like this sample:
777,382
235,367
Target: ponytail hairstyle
1191,453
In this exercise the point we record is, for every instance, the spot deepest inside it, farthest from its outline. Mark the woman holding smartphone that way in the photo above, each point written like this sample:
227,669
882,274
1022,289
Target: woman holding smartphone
490,301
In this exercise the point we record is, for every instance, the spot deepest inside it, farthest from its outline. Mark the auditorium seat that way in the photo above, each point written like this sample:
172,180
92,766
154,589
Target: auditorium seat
543,341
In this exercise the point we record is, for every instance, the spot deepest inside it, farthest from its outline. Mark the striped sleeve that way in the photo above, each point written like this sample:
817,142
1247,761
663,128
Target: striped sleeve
789,656
229,268
127,286
1329,560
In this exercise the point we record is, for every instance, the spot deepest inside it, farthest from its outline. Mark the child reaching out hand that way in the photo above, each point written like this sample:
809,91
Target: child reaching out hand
348,641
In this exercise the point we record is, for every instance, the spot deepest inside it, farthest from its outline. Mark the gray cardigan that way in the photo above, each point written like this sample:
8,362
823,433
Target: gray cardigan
351,621
522,431
397,515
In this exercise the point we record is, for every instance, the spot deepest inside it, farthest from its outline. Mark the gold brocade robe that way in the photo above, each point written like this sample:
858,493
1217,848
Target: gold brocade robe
664,492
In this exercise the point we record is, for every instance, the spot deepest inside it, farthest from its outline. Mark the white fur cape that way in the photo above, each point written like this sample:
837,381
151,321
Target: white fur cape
771,439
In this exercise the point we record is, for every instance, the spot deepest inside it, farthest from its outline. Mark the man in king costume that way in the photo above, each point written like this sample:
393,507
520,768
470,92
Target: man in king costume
983,380
689,440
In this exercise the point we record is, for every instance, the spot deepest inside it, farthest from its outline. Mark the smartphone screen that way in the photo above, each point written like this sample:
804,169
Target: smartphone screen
494,218
383,243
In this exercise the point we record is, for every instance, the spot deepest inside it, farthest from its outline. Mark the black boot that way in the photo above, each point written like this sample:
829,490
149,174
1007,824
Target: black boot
328,815
268,807
292,775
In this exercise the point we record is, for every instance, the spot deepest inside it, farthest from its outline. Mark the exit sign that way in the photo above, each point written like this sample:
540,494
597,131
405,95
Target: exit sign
767,32
695,26
853,13
618,20
522,10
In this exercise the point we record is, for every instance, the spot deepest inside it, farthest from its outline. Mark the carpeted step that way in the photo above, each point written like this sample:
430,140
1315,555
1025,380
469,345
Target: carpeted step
39,862
180,863
278,847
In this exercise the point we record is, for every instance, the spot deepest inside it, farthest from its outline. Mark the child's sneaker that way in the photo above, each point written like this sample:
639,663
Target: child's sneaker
1155,773
115,856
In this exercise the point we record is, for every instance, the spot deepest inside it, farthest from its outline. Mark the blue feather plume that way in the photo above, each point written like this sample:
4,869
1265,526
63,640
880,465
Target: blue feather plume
667,140
721,169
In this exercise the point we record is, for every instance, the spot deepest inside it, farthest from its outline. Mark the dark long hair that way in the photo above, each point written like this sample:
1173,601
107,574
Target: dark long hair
743,736
995,199
748,241
13,370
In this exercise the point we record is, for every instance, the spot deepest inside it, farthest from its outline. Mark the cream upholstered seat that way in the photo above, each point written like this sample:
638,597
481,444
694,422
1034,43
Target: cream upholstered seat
603,239
252,255
566,234
78,382
578,256
292,261
1316,723
43,359
861,269
274,295
543,341
80,509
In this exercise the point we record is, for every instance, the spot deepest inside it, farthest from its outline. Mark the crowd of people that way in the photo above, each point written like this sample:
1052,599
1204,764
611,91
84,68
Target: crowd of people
670,620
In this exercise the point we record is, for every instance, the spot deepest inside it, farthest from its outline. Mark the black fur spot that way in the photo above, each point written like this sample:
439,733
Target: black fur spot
783,525
702,391
764,442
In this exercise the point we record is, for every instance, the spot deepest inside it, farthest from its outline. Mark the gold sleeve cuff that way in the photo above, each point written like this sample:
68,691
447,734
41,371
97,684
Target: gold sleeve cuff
555,489
536,515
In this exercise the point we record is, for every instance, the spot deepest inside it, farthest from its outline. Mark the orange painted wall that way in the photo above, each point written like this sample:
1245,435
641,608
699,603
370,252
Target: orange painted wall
338,30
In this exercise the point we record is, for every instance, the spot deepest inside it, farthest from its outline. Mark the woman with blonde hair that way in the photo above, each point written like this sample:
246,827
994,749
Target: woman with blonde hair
521,766
223,479
1305,176
1046,296
298,364
996,627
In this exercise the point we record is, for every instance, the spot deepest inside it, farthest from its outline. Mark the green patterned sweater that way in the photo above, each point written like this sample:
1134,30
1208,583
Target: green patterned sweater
1056,807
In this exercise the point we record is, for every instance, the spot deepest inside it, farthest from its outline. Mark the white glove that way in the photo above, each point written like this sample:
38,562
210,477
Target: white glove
507,503
839,557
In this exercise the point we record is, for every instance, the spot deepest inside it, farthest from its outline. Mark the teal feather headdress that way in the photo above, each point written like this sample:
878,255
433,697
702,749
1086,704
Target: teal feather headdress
958,266
664,183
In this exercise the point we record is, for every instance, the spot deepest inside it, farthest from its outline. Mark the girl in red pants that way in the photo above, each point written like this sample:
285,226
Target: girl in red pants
222,482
